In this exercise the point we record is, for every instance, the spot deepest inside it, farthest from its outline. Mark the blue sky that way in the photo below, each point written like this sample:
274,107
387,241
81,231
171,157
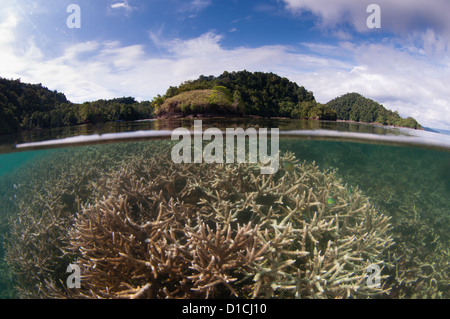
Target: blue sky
140,48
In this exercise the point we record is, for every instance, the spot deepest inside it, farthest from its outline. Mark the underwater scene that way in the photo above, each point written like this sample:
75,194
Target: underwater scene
339,218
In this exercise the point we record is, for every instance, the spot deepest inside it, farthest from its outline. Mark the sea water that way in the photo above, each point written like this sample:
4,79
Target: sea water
48,187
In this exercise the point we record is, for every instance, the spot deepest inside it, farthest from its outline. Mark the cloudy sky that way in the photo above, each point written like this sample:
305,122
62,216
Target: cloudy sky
141,47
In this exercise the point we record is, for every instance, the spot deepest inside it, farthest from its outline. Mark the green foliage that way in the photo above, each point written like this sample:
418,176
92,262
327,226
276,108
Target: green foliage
221,97
322,112
119,109
32,106
263,94
156,103
27,105
212,102
307,110
409,122
355,107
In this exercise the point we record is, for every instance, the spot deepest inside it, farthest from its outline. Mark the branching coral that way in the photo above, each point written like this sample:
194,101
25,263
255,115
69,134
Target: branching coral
410,185
154,229
38,233
51,190
228,230
420,264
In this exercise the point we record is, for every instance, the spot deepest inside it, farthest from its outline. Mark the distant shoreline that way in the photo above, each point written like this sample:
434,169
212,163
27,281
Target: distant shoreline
379,124
209,116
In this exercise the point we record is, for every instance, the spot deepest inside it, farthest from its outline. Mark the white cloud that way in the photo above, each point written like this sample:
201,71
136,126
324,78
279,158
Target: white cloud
407,71
192,6
118,5
122,5
7,30
200,4
399,16
397,79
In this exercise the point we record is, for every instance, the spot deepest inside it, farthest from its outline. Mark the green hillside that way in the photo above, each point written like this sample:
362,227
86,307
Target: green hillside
27,105
215,102
355,107
32,106
260,94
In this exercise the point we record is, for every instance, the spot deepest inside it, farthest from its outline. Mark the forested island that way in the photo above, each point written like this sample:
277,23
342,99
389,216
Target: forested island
32,106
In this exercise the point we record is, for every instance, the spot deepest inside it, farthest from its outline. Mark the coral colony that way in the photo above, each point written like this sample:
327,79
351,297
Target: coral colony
137,225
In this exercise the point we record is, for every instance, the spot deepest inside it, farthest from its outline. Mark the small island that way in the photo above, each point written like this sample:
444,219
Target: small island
232,94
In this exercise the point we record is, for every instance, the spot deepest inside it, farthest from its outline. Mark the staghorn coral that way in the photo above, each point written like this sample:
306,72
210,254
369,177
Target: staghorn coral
409,185
224,230
170,256
48,193
420,264
38,232
149,228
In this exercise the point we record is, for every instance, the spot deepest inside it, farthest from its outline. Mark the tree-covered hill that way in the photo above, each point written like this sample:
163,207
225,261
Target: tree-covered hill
32,106
355,107
260,94
22,104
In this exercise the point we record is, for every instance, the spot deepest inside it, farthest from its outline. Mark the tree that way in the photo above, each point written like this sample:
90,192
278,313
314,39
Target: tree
258,93
355,107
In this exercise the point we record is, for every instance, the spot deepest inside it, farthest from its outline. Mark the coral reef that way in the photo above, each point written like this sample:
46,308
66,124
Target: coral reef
140,226
45,207
421,263
408,184
44,198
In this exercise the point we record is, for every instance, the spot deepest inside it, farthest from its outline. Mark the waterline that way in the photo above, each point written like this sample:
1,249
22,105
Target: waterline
214,151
